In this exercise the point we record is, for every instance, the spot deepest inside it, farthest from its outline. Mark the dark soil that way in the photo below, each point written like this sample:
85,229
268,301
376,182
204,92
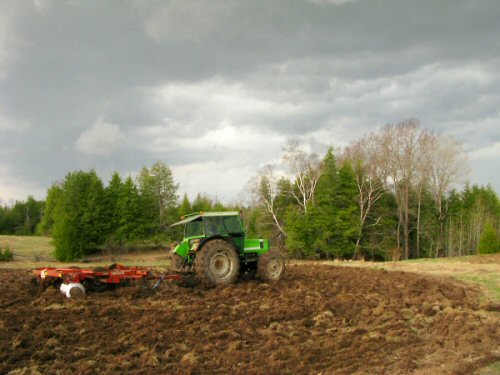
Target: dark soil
319,319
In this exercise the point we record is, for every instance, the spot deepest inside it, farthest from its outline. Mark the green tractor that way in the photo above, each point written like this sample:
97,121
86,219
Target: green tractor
216,249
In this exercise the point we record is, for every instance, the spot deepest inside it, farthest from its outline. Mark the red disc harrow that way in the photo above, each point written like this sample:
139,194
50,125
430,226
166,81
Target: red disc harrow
115,274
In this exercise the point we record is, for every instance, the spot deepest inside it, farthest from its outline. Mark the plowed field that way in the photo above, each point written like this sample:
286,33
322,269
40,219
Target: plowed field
319,319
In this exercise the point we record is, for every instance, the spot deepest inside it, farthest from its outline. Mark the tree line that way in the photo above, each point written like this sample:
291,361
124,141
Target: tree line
388,195
21,218
391,194
82,215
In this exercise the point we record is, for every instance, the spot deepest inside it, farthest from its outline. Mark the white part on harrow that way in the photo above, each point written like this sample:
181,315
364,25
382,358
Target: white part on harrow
69,289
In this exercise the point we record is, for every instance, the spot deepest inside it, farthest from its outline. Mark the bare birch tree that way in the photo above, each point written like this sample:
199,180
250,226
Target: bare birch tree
306,171
446,164
402,150
422,179
266,190
365,158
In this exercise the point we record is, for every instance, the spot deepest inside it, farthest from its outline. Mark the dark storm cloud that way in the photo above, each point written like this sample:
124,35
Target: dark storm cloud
118,85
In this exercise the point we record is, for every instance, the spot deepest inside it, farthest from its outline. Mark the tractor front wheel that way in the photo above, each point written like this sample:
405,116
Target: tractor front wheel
217,263
176,262
271,266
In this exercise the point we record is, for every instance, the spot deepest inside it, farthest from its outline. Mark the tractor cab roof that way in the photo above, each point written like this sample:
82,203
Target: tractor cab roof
196,216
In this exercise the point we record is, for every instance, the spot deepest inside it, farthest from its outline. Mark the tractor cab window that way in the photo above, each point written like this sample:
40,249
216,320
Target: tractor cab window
233,225
213,226
194,228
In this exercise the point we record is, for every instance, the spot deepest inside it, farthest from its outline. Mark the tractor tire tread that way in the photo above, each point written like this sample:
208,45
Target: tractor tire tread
202,263
263,271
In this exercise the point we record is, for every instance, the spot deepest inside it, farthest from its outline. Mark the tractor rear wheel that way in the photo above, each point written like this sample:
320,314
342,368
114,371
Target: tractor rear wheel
271,266
217,263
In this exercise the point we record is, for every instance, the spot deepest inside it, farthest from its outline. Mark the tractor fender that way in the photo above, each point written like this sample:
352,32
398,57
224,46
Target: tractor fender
216,237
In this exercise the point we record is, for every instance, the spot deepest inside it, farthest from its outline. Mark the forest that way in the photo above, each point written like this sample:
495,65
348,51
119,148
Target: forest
396,193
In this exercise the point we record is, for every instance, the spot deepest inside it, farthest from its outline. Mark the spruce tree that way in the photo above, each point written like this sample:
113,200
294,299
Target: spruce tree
325,214
335,215
129,212
78,218
46,224
185,207
301,231
488,243
159,198
202,203
110,207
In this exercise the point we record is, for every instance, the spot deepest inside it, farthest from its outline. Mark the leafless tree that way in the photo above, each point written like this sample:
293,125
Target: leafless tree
446,164
402,149
265,189
422,176
306,171
365,158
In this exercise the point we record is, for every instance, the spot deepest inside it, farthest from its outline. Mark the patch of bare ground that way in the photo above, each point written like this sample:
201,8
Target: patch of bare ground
319,319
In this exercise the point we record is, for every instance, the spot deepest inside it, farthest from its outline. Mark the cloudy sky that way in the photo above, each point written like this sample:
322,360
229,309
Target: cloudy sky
215,88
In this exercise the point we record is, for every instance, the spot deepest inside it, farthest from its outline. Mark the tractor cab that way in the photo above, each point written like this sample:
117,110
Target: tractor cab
203,226
213,224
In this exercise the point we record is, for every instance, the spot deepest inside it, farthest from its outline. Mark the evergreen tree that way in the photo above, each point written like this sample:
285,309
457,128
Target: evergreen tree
32,215
16,219
252,219
480,205
185,207
380,230
79,226
335,215
3,216
129,212
325,214
22,218
329,227
111,213
423,236
158,197
202,203
488,243
7,220
301,231
347,211
51,202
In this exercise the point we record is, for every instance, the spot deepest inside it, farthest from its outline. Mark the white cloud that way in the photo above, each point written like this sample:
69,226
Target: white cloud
15,126
42,6
489,152
220,180
220,98
214,118
476,133
100,139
